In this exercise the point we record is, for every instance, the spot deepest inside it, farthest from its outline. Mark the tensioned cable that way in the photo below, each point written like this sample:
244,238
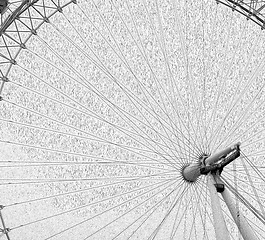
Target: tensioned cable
233,103
253,188
230,177
108,74
120,204
143,178
194,213
155,77
176,217
120,50
79,130
72,153
76,136
21,181
123,130
171,208
126,62
185,59
152,26
162,45
245,202
201,203
115,106
223,75
262,177
154,208
242,116
86,205
248,206
118,218
115,219
188,200
239,137
97,116
113,162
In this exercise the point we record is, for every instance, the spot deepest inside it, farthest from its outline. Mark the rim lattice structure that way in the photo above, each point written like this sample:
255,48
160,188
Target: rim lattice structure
19,21
253,10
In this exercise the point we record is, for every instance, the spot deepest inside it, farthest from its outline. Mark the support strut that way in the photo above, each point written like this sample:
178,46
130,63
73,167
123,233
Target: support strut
220,227
241,222
212,166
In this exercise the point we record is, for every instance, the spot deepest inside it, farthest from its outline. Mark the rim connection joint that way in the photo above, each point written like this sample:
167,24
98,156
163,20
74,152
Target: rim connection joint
22,45
33,31
46,19
4,79
13,61
59,9
5,230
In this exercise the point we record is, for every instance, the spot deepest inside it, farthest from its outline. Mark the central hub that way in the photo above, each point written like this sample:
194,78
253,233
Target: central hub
192,171
210,163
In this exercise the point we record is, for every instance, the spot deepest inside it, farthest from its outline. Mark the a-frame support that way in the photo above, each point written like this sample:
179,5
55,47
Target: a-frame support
221,231
220,227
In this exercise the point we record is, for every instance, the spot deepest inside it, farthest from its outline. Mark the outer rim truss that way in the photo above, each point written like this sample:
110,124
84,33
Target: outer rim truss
253,9
18,25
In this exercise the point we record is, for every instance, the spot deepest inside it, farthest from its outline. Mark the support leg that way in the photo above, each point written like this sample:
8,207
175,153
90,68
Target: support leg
243,226
220,228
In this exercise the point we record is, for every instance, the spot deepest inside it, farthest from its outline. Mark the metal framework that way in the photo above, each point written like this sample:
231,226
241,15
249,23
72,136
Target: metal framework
213,166
22,19
253,10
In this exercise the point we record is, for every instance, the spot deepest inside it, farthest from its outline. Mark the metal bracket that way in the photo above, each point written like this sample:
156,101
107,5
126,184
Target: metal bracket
223,161
220,187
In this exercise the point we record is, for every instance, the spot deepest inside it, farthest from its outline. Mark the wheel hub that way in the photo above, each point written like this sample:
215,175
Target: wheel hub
210,163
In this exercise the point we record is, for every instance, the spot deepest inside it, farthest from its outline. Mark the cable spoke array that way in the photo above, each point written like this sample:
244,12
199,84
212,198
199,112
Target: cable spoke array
103,104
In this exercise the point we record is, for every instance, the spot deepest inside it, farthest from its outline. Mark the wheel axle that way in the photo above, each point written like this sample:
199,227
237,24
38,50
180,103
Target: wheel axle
212,163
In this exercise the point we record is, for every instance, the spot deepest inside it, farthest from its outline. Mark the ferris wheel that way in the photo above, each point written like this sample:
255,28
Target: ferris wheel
132,119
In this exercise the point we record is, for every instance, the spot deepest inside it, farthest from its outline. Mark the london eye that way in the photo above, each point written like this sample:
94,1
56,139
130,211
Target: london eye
132,119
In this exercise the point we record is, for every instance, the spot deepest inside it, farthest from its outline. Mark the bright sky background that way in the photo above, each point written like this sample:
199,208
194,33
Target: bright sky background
110,100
